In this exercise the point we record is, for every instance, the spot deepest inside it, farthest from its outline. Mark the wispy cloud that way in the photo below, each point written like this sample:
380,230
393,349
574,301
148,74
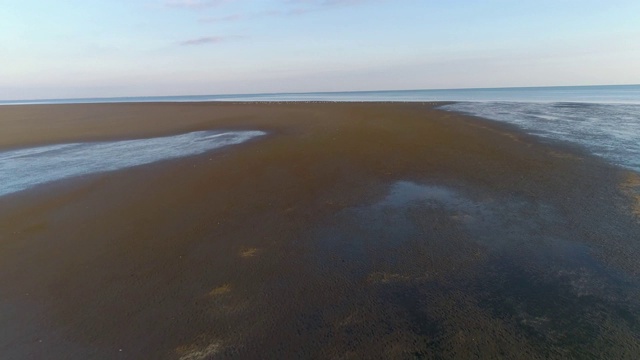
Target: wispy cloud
288,8
256,15
347,2
207,40
329,3
194,4
303,7
226,18
298,10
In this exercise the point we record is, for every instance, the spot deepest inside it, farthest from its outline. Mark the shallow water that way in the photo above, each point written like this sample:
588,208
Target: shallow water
611,131
24,168
450,261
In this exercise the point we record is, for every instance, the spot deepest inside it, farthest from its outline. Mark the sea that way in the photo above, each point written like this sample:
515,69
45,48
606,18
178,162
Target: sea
604,120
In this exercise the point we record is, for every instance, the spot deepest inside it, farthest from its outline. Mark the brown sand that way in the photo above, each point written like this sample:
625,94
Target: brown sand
261,250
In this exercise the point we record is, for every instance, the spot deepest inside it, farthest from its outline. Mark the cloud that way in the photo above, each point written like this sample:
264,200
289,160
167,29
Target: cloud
194,4
207,40
347,2
302,7
330,3
227,18
288,8
256,15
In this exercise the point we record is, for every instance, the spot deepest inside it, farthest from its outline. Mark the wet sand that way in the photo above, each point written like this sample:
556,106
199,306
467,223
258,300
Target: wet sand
349,231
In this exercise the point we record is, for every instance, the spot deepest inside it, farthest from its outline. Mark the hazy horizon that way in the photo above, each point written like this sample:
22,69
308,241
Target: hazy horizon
328,92
105,49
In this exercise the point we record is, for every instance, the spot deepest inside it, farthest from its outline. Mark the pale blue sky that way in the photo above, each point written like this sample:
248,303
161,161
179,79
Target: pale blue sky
96,48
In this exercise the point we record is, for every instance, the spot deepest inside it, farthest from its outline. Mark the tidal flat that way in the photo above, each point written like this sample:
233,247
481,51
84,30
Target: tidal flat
349,230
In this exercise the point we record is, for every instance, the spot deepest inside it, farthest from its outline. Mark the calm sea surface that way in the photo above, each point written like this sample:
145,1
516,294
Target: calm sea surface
603,119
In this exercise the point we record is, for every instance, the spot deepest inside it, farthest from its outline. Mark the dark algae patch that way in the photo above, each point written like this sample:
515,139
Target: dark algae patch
561,319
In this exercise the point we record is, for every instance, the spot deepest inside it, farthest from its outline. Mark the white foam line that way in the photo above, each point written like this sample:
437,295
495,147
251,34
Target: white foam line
25,168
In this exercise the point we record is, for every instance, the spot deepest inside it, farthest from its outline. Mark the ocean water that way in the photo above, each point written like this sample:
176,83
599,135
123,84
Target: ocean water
605,94
628,94
25,168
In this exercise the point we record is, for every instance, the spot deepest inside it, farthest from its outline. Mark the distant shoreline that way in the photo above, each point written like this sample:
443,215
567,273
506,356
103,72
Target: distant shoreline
629,93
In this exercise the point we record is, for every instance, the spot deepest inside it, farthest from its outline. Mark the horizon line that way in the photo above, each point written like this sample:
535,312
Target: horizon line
305,92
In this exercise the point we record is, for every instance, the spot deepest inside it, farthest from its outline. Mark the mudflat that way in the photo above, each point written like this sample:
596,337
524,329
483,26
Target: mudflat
351,230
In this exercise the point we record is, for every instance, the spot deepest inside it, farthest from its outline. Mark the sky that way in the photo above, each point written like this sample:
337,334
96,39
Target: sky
113,48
